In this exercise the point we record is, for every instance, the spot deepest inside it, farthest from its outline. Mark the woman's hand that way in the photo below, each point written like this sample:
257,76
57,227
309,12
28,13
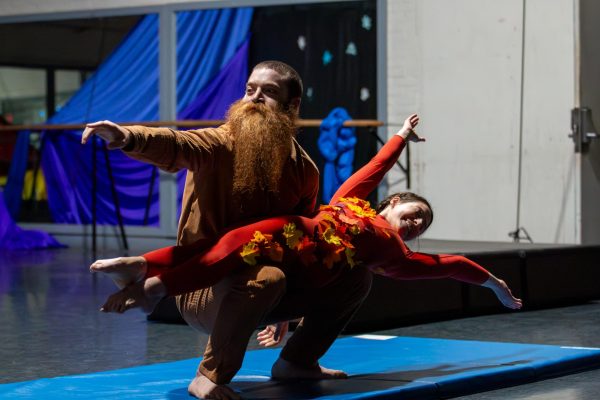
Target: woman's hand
407,132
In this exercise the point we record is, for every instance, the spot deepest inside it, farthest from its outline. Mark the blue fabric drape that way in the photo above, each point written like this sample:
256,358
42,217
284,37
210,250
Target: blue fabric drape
11,236
125,88
14,238
13,192
336,144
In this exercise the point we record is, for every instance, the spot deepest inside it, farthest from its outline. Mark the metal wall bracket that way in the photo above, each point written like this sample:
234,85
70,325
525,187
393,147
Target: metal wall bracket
582,128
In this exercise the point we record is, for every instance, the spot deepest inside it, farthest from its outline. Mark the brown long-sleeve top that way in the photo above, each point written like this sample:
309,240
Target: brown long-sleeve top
208,205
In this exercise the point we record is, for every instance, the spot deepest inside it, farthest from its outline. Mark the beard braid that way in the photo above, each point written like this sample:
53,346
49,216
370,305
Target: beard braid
262,145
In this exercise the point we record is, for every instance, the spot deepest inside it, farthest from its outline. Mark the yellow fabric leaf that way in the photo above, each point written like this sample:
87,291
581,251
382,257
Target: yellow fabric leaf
355,229
378,270
349,254
259,237
292,235
328,217
249,253
330,237
360,207
361,212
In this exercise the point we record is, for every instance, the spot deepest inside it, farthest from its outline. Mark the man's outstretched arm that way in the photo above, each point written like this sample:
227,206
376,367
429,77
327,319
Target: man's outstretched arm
115,136
166,148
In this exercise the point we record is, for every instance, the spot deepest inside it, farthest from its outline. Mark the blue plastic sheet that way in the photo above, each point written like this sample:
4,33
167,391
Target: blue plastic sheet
336,144
379,368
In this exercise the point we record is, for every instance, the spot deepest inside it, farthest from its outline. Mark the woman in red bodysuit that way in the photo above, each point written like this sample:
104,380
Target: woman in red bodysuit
313,250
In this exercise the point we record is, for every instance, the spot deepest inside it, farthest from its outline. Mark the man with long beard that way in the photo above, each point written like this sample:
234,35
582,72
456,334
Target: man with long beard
250,167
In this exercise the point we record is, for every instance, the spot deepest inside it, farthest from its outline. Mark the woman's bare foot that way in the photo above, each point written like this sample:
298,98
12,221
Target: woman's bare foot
145,295
203,388
502,291
122,270
285,370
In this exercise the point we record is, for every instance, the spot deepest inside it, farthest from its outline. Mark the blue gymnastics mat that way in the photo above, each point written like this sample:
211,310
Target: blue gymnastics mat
380,367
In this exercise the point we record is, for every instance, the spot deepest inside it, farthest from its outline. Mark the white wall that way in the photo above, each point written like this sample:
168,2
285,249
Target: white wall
458,64
550,190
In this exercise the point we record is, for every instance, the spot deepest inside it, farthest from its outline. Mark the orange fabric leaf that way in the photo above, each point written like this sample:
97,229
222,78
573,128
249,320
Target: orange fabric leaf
348,220
306,251
306,244
274,251
329,208
332,257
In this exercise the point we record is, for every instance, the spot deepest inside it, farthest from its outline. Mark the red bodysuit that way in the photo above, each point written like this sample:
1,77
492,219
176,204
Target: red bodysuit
369,238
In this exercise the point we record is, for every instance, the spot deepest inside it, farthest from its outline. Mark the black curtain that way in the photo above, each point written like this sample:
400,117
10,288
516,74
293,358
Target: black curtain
333,47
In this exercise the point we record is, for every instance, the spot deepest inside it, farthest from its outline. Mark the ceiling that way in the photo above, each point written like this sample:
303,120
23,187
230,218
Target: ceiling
70,44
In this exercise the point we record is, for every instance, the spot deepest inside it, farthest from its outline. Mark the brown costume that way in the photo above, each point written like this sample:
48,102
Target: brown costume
231,310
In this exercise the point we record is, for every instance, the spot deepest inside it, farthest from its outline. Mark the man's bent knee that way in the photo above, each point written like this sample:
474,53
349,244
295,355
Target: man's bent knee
198,309
268,281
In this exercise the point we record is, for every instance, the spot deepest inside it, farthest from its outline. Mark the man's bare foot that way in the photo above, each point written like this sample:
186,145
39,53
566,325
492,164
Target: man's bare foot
145,295
203,388
285,370
122,270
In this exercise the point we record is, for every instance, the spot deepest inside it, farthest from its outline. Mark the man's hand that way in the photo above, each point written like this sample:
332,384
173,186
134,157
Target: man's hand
407,131
115,136
272,335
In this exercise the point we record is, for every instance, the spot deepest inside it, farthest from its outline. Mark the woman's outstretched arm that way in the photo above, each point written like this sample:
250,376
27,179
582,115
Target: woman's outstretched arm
412,266
366,179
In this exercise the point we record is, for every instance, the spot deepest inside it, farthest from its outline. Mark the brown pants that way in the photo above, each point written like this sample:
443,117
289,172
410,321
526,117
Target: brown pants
231,310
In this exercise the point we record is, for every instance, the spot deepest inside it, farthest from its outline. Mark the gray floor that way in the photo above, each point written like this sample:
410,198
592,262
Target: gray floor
50,326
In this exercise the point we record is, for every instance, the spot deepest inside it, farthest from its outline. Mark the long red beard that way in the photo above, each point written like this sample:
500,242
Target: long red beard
262,145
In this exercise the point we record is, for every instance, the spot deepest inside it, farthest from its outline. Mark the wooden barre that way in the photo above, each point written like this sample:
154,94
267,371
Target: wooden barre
305,123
